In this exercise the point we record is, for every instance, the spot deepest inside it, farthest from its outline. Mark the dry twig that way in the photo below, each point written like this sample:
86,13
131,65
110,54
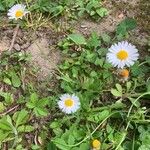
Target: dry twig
9,110
14,37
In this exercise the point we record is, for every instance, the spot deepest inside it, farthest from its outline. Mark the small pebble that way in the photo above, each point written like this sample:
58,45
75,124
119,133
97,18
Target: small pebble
17,47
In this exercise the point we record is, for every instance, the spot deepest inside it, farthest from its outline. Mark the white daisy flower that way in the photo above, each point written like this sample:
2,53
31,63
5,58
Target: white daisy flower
122,54
69,103
17,11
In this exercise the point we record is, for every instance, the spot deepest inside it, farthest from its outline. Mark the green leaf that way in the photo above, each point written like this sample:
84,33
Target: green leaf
125,26
94,40
51,146
102,12
144,147
36,147
25,128
134,102
136,70
60,143
148,85
42,102
128,85
55,124
98,117
116,93
30,105
106,38
77,38
2,8
147,59
84,146
22,117
119,87
78,133
118,105
34,98
99,62
71,139
2,107
3,135
5,125
15,80
8,97
57,10
7,81
40,111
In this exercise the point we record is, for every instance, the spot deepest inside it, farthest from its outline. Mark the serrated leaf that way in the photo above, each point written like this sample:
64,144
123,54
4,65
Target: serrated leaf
34,98
102,12
71,139
25,128
84,146
3,135
30,105
22,117
60,143
7,96
51,146
94,40
99,62
5,125
106,38
55,124
42,102
98,117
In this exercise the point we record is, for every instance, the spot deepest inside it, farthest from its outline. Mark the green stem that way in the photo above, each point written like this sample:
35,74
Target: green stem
113,106
133,142
142,121
93,131
124,134
123,137
147,93
144,62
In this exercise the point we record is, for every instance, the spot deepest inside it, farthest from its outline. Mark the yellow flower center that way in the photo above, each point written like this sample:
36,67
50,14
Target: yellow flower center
19,13
122,55
124,73
96,144
68,102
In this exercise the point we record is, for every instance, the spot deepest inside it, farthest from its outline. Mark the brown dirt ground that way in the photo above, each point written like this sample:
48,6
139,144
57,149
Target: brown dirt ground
118,11
42,43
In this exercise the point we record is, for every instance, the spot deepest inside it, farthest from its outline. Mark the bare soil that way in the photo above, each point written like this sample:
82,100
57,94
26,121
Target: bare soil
118,11
44,57
41,45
